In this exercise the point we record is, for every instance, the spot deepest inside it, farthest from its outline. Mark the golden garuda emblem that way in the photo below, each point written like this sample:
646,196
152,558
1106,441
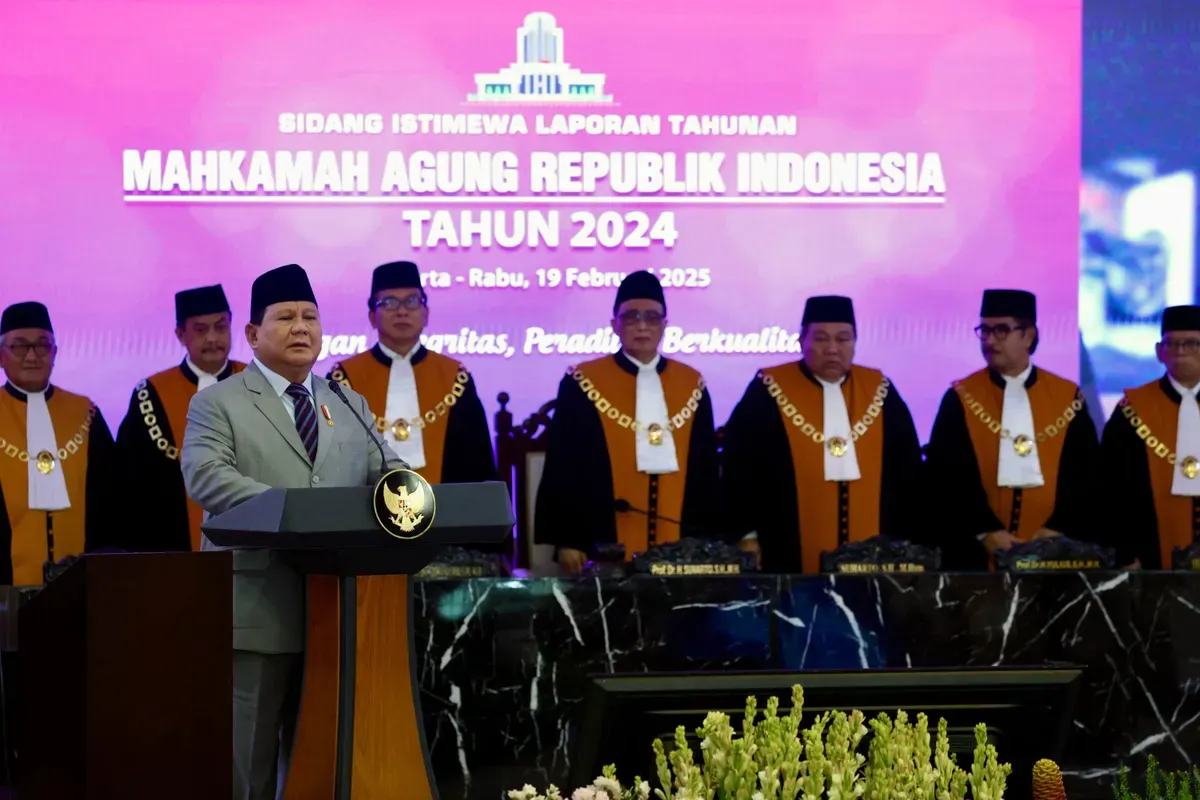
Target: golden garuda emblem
404,504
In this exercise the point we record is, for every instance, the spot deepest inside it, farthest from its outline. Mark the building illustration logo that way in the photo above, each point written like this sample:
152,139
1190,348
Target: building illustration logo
540,75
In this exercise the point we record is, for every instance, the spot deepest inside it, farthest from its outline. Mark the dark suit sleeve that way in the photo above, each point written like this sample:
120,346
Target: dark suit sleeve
1130,521
469,457
701,514
102,527
759,483
6,567
1075,496
154,513
900,507
575,497
955,487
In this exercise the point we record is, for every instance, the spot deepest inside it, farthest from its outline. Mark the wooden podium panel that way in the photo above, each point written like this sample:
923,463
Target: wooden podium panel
360,734
127,676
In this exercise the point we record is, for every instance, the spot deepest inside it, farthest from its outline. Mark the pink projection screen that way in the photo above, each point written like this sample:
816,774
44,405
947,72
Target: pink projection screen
907,153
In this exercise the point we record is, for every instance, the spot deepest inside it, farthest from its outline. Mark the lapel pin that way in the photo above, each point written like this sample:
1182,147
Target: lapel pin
327,415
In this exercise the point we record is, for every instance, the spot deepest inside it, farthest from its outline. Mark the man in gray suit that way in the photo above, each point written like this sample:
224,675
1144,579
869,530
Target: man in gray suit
273,425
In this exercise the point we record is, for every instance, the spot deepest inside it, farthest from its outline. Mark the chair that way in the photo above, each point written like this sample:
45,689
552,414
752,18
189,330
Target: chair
521,457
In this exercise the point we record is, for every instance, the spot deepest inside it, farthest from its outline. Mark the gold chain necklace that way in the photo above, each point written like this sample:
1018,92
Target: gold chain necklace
837,445
402,428
1022,444
1190,466
655,432
45,460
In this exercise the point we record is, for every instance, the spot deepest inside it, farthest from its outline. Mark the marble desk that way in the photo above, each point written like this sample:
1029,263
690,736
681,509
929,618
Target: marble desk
502,663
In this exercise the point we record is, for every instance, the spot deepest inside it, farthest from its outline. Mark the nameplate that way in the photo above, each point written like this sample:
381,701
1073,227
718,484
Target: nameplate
874,567
452,571
1072,565
695,569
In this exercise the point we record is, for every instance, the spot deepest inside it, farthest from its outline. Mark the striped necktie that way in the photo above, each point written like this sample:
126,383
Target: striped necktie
306,418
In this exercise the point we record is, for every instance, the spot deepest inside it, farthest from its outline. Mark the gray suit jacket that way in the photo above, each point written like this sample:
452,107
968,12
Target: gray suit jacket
240,442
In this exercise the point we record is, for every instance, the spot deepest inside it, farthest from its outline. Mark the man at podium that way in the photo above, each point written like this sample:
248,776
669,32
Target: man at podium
273,425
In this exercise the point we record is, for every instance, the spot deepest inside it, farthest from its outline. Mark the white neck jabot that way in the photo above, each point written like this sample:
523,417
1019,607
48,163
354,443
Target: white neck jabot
655,442
404,405
1020,465
842,467
47,492
204,379
1187,442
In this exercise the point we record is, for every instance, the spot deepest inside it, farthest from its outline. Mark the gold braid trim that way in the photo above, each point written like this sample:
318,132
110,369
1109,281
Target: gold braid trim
425,419
790,412
146,409
993,424
1153,443
607,409
67,450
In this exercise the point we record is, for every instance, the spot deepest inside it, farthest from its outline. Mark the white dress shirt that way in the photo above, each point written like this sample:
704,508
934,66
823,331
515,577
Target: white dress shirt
280,384
843,468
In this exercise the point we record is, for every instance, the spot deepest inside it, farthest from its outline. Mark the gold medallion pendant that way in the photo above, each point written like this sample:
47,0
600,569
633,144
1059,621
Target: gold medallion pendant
838,447
1023,445
655,432
1190,467
401,430
45,462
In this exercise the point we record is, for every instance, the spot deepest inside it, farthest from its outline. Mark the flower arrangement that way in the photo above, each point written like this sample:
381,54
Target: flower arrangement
1181,785
774,759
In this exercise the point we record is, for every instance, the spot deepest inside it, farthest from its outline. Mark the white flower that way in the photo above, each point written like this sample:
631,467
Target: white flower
526,792
643,790
586,793
608,787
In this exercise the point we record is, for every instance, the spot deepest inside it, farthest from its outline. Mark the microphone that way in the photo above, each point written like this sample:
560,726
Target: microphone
336,388
623,506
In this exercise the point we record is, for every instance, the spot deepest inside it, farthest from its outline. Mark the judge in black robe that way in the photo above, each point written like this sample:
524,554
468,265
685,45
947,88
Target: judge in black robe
151,434
594,490
760,480
966,507
1147,511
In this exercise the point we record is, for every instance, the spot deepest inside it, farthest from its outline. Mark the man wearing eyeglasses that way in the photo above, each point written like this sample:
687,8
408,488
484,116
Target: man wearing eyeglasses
820,452
1150,454
56,457
631,453
151,435
425,404
1013,447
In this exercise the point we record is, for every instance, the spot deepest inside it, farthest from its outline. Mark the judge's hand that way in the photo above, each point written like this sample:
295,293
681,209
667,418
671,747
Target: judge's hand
573,561
1045,533
1137,564
752,546
1000,540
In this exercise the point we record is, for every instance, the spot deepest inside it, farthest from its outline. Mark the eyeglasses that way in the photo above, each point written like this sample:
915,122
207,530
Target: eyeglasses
651,318
1186,346
21,349
412,302
1000,332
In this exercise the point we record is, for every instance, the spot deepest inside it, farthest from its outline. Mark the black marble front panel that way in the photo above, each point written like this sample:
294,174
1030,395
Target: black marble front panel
503,662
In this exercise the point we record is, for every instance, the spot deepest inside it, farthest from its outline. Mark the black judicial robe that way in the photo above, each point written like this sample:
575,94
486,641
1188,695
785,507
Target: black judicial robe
160,515
1135,524
956,488
576,499
104,526
459,448
760,483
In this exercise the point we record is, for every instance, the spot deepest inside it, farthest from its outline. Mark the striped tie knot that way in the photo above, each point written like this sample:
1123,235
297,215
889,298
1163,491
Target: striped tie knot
306,418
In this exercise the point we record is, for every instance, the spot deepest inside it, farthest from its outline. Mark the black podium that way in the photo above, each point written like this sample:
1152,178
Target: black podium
360,735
